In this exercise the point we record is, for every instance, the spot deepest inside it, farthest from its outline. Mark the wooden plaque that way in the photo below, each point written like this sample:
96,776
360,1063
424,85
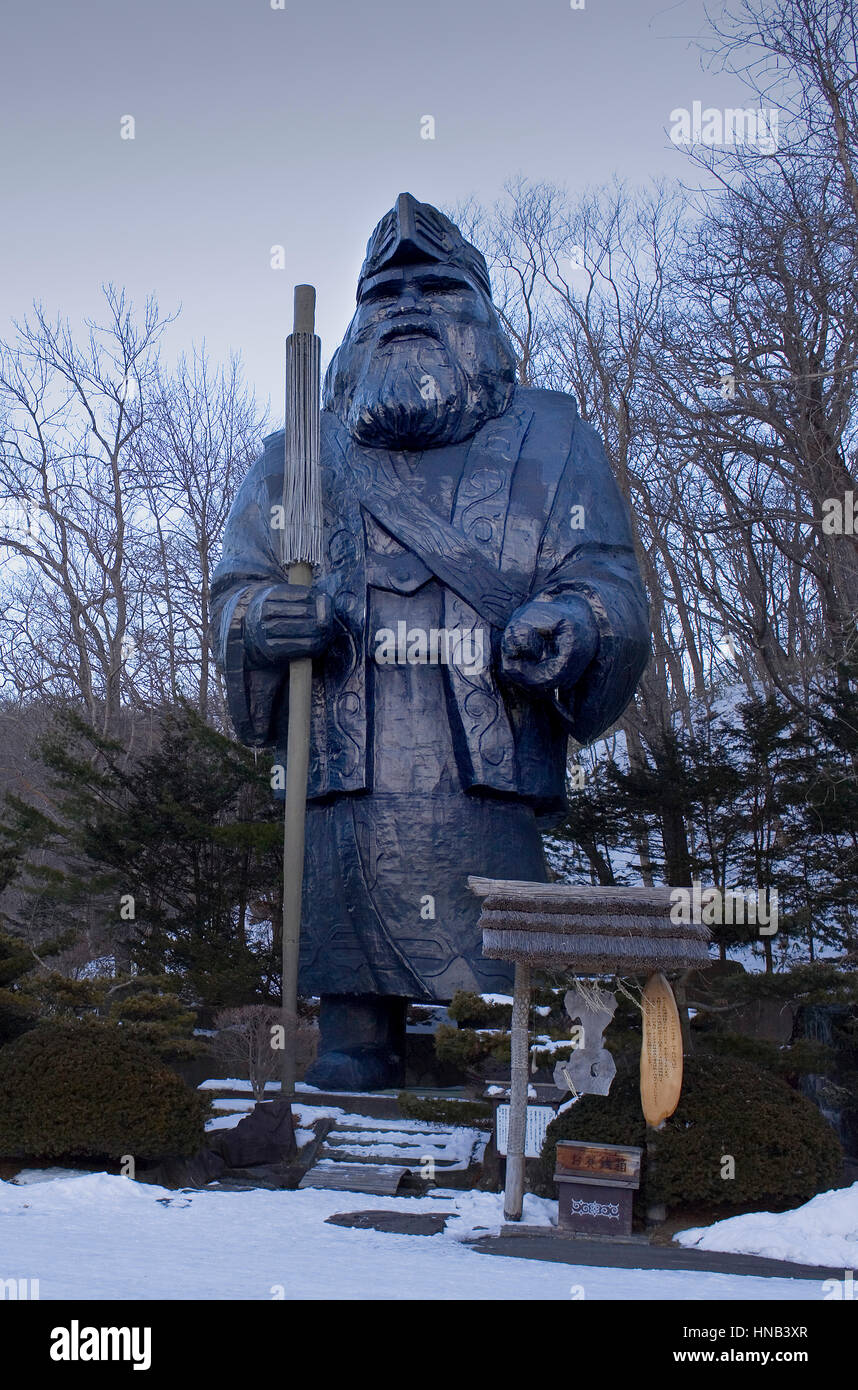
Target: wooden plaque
661,1053
611,1162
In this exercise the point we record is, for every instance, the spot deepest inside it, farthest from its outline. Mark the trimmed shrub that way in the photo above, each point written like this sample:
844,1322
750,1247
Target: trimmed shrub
440,1111
784,1150
470,1011
468,1049
546,1059
800,1058
16,1012
15,1016
149,1008
80,1090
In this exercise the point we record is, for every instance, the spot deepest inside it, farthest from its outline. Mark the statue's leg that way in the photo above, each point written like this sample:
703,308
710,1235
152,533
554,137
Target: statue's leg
361,1043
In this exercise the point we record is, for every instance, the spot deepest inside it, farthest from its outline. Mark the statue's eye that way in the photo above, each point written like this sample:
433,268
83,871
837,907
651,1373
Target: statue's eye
441,286
380,294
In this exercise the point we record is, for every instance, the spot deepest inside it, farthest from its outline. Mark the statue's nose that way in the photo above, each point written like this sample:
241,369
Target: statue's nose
411,301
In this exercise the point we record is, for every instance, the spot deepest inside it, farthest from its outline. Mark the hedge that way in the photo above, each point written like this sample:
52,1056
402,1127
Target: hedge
784,1150
85,1089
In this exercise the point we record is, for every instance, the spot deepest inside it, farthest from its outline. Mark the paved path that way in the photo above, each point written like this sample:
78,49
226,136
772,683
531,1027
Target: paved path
616,1255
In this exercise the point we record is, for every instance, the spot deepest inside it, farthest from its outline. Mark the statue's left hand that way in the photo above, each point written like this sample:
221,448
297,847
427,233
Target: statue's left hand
549,644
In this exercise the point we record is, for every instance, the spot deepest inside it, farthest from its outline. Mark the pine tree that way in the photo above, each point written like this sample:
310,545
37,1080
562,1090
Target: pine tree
164,851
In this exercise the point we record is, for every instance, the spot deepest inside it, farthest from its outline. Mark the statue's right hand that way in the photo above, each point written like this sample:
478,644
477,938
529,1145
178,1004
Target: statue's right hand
287,621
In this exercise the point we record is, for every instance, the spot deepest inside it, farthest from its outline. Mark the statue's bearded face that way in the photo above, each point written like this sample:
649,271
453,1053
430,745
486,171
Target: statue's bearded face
424,361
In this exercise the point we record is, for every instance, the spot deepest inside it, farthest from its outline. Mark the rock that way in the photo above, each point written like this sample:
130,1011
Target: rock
204,1167
272,1176
395,1222
266,1135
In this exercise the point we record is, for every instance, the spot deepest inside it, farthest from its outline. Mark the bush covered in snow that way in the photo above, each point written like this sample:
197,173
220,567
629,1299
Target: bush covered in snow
470,1010
87,1090
783,1149
470,1048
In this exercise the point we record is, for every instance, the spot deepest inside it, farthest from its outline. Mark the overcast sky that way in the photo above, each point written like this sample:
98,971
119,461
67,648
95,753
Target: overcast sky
298,126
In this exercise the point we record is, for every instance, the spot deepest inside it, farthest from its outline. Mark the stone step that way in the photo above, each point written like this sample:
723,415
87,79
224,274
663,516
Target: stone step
437,1139
349,1159
373,1142
354,1141
348,1156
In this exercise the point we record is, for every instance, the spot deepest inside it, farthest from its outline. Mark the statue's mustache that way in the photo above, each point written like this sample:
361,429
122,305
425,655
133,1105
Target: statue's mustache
389,330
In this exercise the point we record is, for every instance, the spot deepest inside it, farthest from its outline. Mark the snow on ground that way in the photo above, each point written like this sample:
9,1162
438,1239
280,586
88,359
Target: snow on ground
97,1236
824,1231
304,1115
232,1083
31,1175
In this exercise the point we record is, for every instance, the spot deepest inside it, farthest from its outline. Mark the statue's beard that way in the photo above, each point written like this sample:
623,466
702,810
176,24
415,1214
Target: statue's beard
415,393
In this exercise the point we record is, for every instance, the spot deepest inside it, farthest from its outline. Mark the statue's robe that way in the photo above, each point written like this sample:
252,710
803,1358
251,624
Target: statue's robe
421,775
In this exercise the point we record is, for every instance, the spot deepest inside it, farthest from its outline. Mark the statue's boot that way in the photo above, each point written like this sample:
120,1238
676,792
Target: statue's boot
361,1044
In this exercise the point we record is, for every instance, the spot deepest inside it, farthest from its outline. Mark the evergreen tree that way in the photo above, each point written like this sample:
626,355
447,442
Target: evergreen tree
16,1015
766,794
165,850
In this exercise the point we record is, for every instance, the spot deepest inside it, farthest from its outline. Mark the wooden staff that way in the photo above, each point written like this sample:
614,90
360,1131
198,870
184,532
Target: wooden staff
302,548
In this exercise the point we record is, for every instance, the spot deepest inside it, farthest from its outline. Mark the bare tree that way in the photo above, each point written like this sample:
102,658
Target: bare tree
802,56
204,431
247,1040
68,489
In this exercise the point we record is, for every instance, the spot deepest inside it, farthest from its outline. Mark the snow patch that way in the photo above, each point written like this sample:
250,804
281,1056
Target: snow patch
822,1232
97,1236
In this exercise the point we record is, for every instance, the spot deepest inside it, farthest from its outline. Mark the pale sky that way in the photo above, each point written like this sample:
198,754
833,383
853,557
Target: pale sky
257,126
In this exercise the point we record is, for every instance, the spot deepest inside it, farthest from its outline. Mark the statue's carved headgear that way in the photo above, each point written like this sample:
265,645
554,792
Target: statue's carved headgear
413,233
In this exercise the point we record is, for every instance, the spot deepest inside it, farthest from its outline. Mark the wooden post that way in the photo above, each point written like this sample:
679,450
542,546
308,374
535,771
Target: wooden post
301,546
519,1076
297,764
656,1212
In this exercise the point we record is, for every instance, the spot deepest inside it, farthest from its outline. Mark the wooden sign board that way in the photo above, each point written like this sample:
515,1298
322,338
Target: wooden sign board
538,1119
617,1163
661,1052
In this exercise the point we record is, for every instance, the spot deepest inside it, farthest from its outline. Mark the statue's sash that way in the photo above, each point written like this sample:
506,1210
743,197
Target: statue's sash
487,558
450,555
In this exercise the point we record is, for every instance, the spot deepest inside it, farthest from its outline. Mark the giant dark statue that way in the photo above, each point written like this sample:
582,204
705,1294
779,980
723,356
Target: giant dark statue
479,602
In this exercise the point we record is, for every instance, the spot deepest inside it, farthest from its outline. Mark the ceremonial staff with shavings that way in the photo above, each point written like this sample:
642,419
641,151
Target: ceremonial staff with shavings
301,550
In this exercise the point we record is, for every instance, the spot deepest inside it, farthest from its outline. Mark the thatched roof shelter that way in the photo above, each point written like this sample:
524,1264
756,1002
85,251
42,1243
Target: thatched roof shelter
586,929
